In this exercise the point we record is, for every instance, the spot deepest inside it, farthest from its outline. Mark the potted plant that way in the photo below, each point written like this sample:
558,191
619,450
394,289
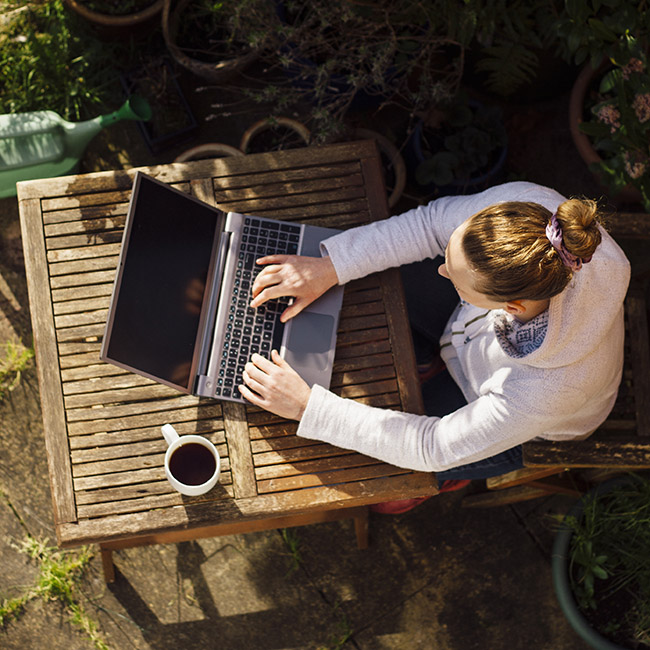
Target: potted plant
216,39
459,147
607,115
113,17
610,121
601,565
274,134
334,55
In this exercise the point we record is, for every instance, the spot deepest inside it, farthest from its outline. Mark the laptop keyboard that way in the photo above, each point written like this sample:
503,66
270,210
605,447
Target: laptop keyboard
251,330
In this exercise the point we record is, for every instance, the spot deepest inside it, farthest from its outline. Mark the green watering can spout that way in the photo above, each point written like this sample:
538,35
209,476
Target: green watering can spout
41,144
134,108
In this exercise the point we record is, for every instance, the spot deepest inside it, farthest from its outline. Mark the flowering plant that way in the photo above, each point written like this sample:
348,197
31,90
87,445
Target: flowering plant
620,120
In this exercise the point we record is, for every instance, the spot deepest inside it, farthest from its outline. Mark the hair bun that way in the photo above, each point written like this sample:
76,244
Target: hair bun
578,219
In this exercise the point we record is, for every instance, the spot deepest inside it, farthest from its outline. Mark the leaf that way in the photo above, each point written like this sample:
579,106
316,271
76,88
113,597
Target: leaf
438,169
599,572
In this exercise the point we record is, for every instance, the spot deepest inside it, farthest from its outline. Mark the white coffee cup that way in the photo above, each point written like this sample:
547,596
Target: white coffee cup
192,463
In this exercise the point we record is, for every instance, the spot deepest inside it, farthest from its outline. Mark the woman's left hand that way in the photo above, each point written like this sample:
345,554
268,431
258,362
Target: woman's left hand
274,385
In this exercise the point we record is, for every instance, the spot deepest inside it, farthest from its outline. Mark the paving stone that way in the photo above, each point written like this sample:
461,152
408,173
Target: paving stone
18,571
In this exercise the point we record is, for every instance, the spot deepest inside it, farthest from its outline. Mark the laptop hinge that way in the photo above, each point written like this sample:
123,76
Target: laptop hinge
204,386
205,345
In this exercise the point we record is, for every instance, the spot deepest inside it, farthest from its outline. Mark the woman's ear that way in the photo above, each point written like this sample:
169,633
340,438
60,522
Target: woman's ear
515,307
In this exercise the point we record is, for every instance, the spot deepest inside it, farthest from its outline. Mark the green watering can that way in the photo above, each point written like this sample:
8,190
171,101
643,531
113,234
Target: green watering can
41,144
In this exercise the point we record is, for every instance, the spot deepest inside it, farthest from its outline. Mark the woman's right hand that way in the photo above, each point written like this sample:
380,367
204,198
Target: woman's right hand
303,278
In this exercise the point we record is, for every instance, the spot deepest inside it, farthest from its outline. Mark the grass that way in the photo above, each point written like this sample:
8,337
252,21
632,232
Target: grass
51,60
292,541
15,361
60,573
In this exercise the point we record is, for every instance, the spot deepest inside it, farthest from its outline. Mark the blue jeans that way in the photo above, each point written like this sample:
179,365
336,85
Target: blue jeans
430,300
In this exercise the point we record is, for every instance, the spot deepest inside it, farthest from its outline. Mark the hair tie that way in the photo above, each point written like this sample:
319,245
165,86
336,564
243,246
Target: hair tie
554,235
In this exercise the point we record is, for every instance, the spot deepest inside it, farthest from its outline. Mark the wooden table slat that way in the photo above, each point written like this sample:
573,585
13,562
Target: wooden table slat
135,429
338,476
81,293
82,306
114,413
83,252
139,505
73,267
280,470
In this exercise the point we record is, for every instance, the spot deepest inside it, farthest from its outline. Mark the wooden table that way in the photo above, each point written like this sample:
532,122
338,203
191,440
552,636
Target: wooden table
102,425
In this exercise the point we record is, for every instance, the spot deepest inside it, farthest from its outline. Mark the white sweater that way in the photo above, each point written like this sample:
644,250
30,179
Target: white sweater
562,390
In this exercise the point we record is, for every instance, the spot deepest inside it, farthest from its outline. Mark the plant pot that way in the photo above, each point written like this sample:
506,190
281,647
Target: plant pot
585,148
274,135
172,121
119,24
207,151
216,72
476,181
561,566
393,163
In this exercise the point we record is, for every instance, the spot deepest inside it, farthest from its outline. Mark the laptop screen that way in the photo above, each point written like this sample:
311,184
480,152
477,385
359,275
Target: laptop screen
158,295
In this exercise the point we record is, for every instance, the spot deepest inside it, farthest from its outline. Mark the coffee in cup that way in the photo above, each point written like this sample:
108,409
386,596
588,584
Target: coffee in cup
192,463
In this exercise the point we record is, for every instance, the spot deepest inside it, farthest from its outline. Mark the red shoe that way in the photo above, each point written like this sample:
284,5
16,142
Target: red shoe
451,485
404,505
397,507
428,370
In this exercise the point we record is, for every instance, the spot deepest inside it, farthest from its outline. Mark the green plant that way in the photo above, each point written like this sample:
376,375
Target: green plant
609,561
59,575
460,142
619,123
333,54
292,541
592,30
508,36
15,361
211,30
50,61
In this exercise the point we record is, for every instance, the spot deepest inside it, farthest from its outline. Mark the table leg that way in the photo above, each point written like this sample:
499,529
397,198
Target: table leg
361,527
107,564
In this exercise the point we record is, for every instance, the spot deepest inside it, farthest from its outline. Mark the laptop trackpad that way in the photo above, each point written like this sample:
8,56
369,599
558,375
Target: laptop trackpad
310,347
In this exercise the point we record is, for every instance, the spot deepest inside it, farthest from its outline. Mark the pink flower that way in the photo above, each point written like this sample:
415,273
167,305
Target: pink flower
634,169
641,106
633,65
609,115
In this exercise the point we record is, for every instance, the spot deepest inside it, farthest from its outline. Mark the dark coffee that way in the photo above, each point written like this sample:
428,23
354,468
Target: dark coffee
192,464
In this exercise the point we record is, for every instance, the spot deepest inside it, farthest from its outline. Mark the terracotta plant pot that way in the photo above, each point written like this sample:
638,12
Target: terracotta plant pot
588,153
216,72
114,25
394,157
208,150
285,123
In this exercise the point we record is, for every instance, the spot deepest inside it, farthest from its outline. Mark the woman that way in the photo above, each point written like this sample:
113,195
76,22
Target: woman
535,343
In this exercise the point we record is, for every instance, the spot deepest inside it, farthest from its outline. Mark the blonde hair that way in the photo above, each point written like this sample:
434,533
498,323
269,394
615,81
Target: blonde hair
506,245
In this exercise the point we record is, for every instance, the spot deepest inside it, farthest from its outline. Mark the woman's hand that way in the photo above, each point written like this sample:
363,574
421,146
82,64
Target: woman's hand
275,386
303,278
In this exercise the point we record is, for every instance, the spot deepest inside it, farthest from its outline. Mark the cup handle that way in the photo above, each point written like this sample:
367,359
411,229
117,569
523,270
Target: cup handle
169,433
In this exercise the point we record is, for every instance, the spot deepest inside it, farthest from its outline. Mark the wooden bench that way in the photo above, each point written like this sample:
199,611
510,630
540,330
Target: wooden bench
622,442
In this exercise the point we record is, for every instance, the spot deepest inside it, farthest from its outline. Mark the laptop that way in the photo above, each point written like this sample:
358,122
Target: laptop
179,312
